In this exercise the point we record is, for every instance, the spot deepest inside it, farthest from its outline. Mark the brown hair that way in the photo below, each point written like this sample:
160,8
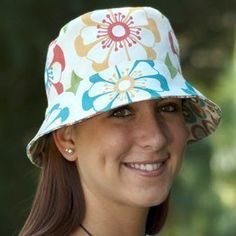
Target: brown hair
58,207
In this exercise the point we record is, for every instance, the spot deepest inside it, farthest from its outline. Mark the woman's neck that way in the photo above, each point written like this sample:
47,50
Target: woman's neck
103,218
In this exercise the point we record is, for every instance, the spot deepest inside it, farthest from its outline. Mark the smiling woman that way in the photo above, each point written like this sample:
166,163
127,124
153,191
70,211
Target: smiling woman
137,148
119,117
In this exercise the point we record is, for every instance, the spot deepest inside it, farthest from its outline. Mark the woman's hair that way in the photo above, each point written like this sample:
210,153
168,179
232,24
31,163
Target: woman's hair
58,207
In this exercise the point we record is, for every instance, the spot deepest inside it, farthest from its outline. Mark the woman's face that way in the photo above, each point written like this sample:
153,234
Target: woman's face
132,154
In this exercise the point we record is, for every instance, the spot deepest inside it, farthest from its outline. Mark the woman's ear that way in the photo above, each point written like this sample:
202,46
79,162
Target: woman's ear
64,141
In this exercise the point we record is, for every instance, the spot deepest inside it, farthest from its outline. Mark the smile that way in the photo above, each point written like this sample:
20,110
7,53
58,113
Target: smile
151,168
145,167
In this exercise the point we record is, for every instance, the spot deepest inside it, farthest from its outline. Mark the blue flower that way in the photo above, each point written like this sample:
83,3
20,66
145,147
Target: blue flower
124,84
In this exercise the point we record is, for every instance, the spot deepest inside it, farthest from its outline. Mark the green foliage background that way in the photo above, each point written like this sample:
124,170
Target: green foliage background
204,195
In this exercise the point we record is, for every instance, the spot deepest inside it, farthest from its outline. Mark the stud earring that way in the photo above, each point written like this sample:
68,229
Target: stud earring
69,150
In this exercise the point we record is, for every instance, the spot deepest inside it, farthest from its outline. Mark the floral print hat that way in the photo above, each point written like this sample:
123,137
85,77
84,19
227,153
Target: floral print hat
109,58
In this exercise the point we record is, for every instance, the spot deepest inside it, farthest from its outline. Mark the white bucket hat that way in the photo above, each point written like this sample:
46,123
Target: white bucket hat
109,58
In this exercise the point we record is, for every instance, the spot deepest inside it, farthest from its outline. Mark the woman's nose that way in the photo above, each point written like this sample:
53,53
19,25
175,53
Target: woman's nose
152,132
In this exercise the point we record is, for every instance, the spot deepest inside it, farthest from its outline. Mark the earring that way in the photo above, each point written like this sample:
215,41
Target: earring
69,150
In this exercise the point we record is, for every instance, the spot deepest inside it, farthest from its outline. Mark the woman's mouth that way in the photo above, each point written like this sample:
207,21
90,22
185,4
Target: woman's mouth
147,169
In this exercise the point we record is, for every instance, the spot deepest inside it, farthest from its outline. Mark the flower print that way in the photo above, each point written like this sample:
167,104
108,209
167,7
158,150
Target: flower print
173,43
198,131
54,69
190,90
173,57
57,112
194,109
124,84
116,36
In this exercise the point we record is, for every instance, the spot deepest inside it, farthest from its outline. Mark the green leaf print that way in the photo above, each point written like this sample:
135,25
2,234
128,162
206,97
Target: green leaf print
171,68
75,81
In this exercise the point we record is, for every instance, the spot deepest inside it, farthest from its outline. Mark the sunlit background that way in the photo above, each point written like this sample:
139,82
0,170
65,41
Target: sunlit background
203,199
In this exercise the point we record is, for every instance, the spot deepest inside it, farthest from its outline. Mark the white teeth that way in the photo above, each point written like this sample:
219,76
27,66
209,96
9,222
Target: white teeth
149,167
145,167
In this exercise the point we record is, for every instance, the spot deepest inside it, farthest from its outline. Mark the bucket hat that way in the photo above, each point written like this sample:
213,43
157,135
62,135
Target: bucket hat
113,57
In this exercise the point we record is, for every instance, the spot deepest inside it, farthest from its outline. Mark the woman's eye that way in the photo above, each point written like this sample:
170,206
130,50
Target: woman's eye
121,112
170,107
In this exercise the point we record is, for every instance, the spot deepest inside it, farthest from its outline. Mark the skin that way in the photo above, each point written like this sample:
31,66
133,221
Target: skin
109,146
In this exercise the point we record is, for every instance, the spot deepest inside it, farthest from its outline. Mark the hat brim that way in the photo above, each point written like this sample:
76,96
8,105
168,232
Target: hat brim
145,80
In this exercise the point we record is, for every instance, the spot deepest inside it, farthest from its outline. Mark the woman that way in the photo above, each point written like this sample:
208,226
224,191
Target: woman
118,120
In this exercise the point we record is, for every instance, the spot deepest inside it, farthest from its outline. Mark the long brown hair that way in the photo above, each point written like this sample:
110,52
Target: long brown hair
58,208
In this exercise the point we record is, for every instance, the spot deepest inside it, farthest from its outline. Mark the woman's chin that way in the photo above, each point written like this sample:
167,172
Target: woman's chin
150,201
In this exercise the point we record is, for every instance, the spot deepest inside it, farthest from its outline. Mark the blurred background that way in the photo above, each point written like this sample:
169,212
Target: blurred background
204,195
